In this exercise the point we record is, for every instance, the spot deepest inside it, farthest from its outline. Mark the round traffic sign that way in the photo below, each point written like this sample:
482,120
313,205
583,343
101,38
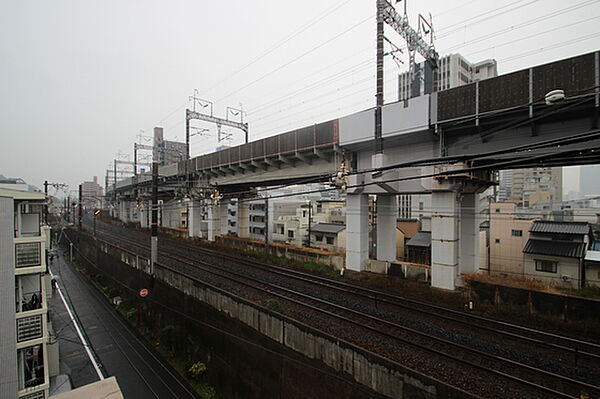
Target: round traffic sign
143,292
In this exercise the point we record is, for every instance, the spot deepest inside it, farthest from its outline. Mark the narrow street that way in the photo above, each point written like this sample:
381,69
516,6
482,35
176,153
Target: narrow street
139,372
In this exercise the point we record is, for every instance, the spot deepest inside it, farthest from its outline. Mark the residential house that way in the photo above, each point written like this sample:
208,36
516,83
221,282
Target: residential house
418,248
329,236
555,252
508,235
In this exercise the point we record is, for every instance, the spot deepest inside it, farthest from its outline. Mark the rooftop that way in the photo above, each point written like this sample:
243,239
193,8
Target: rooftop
420,239
544,226
22,195
593,256
327,228
105,389
555,248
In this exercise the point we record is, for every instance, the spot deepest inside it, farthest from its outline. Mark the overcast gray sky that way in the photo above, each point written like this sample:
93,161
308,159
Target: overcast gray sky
80,79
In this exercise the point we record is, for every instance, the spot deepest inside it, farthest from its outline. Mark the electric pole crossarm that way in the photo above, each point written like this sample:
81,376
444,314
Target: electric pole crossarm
217,120
143,146
412,37
132,163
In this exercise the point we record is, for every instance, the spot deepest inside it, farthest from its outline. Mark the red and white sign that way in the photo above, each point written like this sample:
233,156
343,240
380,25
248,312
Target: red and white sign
143,292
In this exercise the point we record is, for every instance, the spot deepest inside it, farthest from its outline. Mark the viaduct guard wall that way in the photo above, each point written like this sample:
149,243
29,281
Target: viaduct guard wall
250,351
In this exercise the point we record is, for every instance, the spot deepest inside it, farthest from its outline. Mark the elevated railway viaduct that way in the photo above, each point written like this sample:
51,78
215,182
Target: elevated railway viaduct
448,144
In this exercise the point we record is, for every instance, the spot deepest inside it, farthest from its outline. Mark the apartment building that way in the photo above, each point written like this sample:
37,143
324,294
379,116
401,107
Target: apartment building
454,70
529,187
294,229
24,324
166,152
92,194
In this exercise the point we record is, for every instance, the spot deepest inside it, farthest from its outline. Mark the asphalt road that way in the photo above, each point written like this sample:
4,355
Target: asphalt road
121,354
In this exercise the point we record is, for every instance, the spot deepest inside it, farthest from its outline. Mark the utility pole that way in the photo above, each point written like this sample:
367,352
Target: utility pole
80,208
154,225
267,225
46,204
309,221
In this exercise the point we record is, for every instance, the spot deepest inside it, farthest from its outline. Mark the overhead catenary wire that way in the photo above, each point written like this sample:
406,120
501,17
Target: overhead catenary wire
488,12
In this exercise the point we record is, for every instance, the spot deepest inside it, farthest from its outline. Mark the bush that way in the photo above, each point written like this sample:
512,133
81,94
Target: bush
275,306
197,370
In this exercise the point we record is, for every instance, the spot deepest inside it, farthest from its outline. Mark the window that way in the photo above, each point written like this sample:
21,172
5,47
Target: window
319,208
28,254
497,210
290,233
319,237
420,206
330,240
517,233
281,228
497,241
548,266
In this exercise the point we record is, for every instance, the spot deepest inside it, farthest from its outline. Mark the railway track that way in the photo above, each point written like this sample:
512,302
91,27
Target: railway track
371,322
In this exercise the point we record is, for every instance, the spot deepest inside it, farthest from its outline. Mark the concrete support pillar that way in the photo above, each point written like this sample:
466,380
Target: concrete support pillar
224,217
357,231
213,221
387,214
144,214
123,211
469,234
444,239
194,218
243,221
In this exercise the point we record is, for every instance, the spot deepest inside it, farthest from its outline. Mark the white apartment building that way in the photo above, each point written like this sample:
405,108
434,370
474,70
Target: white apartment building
294,229
24,323
454,70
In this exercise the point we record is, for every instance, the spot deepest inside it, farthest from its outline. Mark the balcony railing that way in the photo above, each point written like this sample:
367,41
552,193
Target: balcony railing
29,328
28,254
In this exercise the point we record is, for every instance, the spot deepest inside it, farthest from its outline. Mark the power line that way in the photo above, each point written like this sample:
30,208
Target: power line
282,42
296,58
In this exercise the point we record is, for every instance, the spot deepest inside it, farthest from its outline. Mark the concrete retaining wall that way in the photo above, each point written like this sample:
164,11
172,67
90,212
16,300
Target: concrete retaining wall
337,261
560,306
356,373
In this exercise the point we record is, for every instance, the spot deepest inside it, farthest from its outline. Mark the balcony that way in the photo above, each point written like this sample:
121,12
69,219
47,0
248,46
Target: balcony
31,367
28,292
27,224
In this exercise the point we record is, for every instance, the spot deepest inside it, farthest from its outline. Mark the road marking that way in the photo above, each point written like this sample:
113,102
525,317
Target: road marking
78,329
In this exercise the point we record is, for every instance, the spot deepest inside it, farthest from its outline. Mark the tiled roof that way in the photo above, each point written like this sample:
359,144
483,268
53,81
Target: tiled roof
420,239
555,248
543,226
327,228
